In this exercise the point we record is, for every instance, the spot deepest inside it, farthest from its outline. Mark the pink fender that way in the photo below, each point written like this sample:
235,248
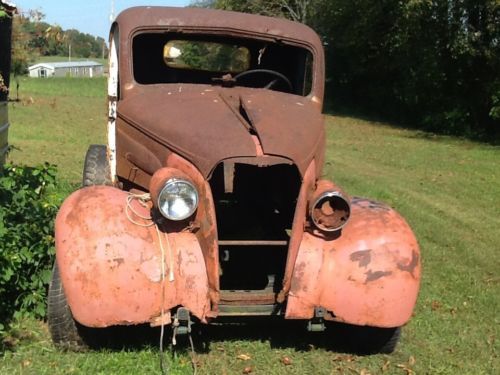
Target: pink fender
111,268
369,275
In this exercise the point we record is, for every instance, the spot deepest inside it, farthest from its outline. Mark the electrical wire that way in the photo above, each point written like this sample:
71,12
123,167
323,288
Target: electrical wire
163,366
143,200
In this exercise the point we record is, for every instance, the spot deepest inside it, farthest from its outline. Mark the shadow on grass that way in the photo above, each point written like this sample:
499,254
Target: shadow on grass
420,132
281,334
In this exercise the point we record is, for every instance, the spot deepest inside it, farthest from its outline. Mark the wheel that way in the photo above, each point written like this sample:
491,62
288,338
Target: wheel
66,333
279,77
372,340
96,169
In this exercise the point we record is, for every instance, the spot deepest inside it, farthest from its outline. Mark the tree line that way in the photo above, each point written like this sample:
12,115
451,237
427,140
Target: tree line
430,64
33,37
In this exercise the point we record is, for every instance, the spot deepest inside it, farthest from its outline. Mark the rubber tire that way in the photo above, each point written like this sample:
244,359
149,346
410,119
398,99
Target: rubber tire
66,333
96,170
373,340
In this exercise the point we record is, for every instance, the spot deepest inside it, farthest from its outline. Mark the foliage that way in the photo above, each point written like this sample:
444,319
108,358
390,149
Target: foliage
296,10
32,38
3,86
432,64
5,42
22,53
27,211
208,56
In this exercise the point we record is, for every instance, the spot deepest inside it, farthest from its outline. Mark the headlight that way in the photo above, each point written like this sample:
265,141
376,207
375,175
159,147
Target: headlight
330,209
178,199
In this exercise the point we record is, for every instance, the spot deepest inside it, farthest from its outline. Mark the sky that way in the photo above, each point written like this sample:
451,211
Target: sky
87,16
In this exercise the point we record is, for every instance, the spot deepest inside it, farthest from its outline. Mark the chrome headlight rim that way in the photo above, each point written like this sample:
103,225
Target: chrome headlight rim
164,190
323,196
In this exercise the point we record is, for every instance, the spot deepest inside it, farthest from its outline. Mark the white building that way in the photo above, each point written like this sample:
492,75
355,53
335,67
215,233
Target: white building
67,69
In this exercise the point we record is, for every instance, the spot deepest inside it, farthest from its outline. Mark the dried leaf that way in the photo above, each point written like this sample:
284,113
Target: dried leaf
386,366
411,361
286,361
435,305
346,358
244,357
408,370
364,372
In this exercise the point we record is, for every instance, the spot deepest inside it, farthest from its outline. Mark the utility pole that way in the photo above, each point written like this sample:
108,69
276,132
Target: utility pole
112,14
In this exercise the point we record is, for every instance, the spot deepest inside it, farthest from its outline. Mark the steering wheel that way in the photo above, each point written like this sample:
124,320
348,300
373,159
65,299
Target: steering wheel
278,75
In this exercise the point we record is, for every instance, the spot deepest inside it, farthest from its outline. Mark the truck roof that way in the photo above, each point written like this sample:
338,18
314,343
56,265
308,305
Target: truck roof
149,17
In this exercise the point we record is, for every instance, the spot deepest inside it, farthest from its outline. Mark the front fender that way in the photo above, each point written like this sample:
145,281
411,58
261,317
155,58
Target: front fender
110,262
369,275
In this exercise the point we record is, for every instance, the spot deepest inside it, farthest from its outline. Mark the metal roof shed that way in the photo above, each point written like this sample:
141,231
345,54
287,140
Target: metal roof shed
67,69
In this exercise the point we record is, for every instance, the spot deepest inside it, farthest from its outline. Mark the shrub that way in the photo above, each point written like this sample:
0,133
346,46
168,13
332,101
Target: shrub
27,212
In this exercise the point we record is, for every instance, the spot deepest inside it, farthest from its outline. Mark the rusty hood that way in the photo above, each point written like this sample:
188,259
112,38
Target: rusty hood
207,124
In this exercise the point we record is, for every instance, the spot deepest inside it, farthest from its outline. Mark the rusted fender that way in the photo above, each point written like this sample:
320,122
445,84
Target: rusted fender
369,275
111,267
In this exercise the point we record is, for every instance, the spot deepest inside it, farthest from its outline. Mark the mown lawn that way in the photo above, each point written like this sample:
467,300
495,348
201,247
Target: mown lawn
448,189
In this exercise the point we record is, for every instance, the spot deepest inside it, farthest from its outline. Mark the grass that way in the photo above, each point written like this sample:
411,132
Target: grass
448,189
55,121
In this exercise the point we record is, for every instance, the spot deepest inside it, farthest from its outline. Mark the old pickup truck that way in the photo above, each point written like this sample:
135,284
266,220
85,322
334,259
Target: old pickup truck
208,200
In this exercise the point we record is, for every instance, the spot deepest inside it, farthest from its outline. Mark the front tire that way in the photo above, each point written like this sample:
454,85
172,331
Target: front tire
373,340
96,170
66,333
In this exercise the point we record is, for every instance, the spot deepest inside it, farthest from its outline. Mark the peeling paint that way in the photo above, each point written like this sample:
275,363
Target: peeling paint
363,257
410,267
375,275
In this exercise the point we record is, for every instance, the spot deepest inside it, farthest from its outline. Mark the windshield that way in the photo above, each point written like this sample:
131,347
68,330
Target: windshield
213,59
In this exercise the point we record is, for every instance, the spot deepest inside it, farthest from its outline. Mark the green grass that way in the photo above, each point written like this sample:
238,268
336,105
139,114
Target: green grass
55,121
448,189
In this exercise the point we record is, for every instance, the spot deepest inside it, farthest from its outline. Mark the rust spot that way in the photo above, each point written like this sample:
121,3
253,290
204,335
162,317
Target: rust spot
410,267
372,276
119,261
369,204
191,283
364,257
297,277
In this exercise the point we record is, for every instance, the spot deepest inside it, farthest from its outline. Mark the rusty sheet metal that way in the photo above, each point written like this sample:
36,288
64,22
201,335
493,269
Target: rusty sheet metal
244,297
111,268
204,136
206,221
286,125
299,220
369,275
278,119
205,21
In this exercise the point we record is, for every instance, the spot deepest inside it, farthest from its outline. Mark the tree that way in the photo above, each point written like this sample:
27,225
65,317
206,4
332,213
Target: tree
296,10
433,64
